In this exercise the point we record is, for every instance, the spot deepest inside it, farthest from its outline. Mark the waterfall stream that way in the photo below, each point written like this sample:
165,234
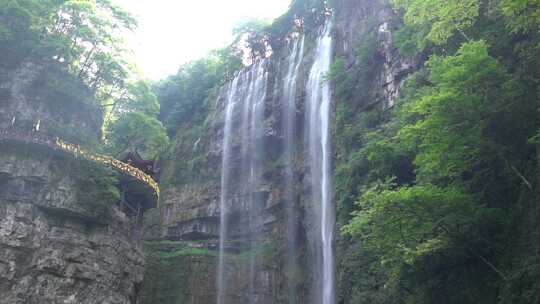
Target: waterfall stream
319,154
245,99
254,155
243,160
225,172
290,84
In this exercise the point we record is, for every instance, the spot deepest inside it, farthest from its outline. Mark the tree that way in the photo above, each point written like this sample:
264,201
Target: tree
82,36
522,15
135,131
454,117
435,21
138,96
252,37
403,225
183,97
463,127
132,122
445,183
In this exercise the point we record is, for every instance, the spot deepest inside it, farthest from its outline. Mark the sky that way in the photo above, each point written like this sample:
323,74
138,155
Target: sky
173,32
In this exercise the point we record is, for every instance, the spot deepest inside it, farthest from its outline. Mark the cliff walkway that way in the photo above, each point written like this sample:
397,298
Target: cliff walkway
76,151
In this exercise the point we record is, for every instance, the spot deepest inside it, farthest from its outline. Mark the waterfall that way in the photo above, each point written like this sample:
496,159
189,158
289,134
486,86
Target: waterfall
246,100
225,172
242,187
255,156
289,132
319,154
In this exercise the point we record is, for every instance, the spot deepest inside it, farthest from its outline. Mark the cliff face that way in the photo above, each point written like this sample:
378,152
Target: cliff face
374,72
62,105
363,25
62,239
190,210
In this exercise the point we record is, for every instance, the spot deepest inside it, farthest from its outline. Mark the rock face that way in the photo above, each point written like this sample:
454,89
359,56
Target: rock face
62,239
190,212
61,105
366,24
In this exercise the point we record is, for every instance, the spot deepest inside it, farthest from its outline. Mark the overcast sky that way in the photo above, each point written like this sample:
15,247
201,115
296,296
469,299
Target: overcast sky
172,32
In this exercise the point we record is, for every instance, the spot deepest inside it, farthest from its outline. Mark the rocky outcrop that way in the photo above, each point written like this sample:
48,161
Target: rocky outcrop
357,23
181,272
54,249
62,238
62,105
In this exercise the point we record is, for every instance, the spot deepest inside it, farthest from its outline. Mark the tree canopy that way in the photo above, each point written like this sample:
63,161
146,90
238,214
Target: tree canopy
83,36
136,131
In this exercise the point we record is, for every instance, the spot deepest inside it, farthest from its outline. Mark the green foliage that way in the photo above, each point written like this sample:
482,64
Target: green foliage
139,97
81,36
444,25
405,224
353,83
352,167
78,46
96,188
303,16
523,284
523,15
441,18
187,100
452,117
187,252
410,39
183,97
132,123
448,125
351,124
439,180
140,132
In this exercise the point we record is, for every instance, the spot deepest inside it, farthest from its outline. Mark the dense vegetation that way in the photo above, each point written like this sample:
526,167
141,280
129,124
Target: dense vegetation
444,184
187,100
79,45
80,36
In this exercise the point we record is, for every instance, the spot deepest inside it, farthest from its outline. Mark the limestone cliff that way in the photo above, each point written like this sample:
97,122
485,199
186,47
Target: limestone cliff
62,237
188,237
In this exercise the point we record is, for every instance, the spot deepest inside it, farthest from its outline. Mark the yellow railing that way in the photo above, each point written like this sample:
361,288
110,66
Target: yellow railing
77,151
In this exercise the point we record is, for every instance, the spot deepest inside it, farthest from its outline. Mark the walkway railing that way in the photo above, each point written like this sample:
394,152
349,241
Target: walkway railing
77,151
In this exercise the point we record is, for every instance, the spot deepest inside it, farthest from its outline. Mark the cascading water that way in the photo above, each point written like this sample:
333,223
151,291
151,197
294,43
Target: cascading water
242,173
289,130
255,156
225,173
319,153
246,94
